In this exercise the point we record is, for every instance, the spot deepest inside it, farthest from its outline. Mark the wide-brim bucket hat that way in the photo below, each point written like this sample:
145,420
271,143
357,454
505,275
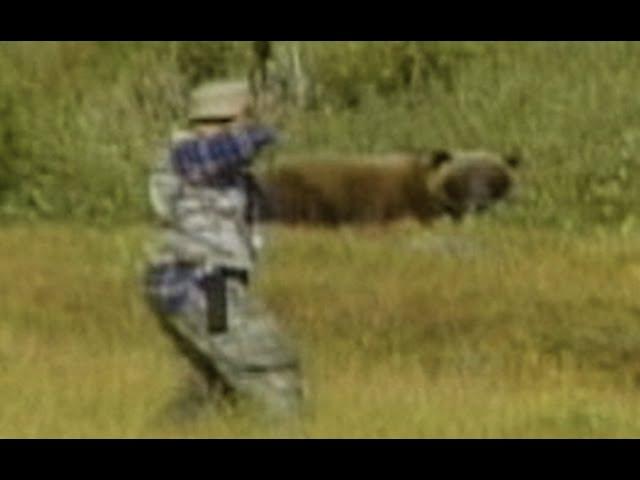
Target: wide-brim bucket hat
219,100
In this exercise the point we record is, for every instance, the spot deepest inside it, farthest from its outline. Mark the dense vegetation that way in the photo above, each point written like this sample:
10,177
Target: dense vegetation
81,121
520,323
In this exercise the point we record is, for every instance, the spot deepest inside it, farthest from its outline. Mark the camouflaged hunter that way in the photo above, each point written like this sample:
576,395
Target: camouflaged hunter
199,274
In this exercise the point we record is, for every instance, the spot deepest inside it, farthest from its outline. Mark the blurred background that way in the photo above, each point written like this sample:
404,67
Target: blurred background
530,329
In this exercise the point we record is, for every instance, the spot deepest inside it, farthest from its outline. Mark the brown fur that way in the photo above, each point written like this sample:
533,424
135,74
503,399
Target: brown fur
332,193
475,188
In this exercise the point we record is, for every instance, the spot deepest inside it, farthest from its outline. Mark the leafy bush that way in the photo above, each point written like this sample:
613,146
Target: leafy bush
81,121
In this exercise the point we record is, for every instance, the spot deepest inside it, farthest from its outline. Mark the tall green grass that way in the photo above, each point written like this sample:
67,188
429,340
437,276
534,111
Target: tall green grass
456,331
81,121
570,108
518,323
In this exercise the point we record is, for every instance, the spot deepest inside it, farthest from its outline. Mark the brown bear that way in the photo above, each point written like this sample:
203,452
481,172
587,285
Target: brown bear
420,185
469,181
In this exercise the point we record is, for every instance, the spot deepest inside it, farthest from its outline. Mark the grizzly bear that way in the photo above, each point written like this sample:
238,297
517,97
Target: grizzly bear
469,181
423,186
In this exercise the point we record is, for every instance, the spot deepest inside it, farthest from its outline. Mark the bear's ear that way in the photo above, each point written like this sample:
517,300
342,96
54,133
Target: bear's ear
513,160
438,157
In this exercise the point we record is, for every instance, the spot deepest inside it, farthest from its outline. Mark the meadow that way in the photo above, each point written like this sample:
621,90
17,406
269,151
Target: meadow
519,323
451,332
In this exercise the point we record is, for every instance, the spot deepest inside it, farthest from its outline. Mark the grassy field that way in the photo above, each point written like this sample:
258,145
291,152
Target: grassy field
456,331
82,121
520,323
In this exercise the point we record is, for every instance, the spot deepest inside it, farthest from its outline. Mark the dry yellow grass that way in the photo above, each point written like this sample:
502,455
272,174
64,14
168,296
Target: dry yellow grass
456,331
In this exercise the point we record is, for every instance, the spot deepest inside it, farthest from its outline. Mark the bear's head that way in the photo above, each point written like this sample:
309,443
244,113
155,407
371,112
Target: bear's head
462,182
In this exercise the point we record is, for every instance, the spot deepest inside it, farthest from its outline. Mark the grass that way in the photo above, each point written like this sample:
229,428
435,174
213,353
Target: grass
82,121
522,323
455,331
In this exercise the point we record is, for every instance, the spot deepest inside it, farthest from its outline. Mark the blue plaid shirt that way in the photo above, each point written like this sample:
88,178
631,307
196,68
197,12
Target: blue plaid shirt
212,161
203,161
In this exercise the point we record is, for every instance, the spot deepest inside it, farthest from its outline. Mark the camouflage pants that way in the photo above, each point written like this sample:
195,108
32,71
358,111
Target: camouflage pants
248,357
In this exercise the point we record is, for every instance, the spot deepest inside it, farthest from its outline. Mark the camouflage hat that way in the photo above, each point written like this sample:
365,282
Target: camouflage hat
222,99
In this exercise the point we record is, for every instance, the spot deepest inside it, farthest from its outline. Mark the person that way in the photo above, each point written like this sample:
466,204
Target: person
199,275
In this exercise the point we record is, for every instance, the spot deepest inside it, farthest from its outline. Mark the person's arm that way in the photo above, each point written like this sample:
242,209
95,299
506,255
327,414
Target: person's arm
252,139
198,161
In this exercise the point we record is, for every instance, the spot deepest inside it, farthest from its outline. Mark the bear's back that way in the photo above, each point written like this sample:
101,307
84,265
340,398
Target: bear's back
355,189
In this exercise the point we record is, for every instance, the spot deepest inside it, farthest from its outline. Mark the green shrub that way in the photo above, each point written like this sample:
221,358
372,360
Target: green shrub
81,121
201,61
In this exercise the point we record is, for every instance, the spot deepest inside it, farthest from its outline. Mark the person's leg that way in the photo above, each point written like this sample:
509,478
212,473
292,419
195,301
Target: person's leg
180,306
264,365
250,357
